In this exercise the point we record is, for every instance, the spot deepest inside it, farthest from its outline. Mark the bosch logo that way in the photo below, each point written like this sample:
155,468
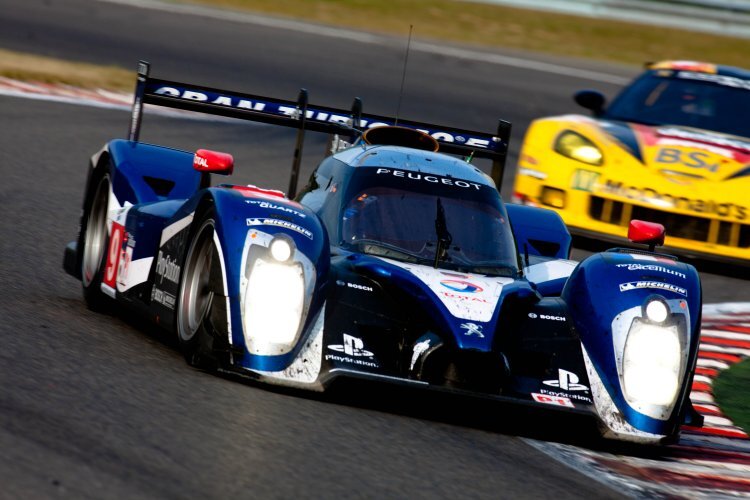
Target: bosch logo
546,316
461,286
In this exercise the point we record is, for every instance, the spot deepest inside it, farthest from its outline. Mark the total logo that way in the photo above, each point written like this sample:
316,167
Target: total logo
461,286
567,381
352,346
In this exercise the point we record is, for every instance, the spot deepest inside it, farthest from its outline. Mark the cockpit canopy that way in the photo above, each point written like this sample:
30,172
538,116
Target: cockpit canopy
427,219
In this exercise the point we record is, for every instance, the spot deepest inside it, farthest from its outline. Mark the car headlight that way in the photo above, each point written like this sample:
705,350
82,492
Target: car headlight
274,301
575,146
652,364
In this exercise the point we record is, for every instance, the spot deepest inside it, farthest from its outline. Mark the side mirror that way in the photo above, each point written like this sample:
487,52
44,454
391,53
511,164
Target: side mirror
213,162
592,100
648,233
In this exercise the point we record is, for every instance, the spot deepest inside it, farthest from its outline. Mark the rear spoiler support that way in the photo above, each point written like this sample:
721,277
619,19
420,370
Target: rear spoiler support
304,116
302,110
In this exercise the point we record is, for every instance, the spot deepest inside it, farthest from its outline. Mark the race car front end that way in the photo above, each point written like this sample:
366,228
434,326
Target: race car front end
598,175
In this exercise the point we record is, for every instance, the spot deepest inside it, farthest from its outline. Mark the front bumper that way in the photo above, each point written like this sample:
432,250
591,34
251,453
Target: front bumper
604,216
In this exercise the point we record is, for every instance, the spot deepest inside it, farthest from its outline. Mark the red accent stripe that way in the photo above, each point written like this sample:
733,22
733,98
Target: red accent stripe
709,454
690,480
731,358
727,342
707,410
702,387
716,431
736,328
708,372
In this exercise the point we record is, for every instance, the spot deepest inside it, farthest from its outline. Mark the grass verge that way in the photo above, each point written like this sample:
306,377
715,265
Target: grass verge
731,391
34,68
506,27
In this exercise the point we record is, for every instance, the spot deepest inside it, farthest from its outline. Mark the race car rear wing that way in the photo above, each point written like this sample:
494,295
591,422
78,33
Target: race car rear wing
303,116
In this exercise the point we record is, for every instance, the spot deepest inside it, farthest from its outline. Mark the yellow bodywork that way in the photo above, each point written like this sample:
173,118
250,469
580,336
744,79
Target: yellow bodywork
695,182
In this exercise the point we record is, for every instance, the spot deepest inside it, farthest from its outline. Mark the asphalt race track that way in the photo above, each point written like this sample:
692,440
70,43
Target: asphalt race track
96,406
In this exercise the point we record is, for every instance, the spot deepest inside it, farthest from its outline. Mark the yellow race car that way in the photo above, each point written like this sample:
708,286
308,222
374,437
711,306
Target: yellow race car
673,147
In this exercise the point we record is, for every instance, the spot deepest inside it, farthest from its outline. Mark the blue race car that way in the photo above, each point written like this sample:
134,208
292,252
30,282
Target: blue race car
396,262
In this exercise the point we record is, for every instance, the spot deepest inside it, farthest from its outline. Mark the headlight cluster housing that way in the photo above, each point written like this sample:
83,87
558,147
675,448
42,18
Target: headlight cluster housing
274,292
574,145
654,358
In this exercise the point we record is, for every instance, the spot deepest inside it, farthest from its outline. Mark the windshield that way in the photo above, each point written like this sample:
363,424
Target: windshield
687,98
427,221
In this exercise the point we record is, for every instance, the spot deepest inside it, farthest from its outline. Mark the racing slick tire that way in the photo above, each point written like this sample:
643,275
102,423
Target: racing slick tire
201,307
93,242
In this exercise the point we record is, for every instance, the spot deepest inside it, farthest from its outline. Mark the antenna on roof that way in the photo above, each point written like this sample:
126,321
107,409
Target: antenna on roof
403,74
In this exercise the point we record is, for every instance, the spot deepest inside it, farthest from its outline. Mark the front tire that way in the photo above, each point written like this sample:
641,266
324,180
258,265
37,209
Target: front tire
94,242
200,302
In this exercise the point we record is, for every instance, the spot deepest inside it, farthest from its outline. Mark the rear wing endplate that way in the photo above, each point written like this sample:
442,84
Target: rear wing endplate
303,116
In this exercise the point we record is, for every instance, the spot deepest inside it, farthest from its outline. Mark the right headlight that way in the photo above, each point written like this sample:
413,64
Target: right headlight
652,364
575,146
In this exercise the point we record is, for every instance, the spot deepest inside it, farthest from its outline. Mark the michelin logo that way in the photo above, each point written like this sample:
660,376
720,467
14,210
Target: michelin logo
637,285
651,267
281,223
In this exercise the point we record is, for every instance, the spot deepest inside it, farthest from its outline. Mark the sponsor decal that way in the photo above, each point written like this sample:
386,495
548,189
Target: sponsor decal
274,108
356,286
164,298
715,139
546,316
116,238
572,395
637,285
650,195
567,381
125,259
552,400
584,180
281,223
199,161
167,268
464,298
472,329
434,179
532,173
651,267
461,286
354,350
419,348
274,206
725,80
690,159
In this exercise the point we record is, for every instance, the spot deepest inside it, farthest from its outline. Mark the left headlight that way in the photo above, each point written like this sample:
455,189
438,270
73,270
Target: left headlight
273,303
575,146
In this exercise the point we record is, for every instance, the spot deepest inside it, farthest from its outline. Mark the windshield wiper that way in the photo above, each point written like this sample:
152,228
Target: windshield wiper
381,248
444,236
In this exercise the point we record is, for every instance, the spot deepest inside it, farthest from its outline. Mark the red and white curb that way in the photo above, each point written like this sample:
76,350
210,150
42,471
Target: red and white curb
97,98
708,462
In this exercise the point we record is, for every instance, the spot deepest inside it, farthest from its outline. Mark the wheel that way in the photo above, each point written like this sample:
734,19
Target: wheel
201,313
93,241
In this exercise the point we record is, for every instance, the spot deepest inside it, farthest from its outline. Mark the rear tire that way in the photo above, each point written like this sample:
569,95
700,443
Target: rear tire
94,242
200,301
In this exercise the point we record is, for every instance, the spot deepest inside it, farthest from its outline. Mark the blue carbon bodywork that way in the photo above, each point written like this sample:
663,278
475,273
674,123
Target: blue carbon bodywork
539,231
594,297
232,212
147,173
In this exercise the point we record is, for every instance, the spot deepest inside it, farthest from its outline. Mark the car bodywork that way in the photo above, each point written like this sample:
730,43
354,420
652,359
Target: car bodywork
396,263
671,148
